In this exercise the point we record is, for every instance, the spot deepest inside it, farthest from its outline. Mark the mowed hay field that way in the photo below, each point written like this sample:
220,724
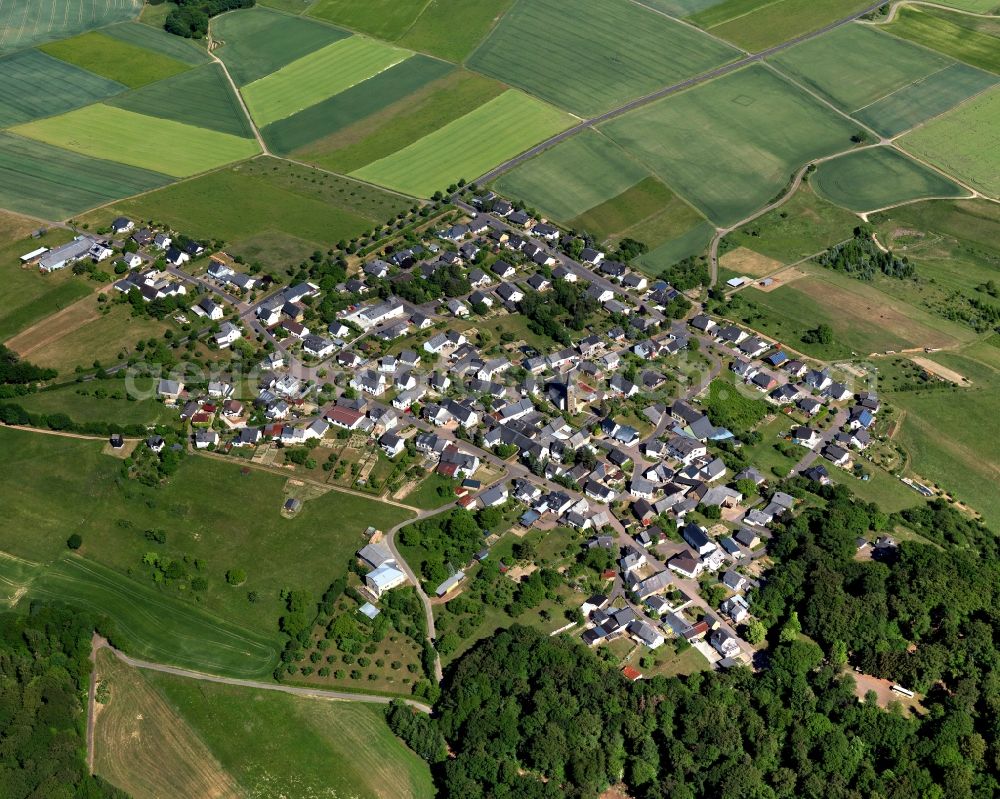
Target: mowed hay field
24,23
370,96
52,183
255,42
954,34
317,76
398,124
731,145
312,208
573,177
274,744
756,25
877,177
965,142
577,55
104,131
200,97
142,745
116,59
37,85
468,146
209,510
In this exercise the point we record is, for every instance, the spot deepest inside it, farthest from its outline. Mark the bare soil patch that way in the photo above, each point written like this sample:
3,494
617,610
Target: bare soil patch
782,278
941,371
144,747
745,261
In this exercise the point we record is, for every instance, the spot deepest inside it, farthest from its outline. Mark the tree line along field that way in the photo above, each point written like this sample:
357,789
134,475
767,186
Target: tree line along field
157,40
573,54
208,510
965,142
162,735
25,23
468,146
877,177
303,208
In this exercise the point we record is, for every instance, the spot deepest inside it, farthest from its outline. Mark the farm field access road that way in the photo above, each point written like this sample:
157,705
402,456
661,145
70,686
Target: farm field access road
666,91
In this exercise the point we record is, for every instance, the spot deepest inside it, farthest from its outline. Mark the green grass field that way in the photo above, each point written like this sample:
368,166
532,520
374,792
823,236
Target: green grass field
32,296
879,65
150,625
756,25
115,59
877,177
731,145
173,148
648,212
352,105
943,431
385,19
259,41
967,222
680,8
52,183
943,32
200,97
864,318
934,95
25,23
314,209
402,123
468,146
37,85
686,243
573,177
976,6
539,46
451,29
209,509
965,142
317,76
82,404
274,744
802,227
159,41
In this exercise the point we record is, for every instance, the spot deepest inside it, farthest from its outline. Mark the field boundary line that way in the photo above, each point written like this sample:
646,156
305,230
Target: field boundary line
753,10
294,690
667,91
691,25
900,3
905,86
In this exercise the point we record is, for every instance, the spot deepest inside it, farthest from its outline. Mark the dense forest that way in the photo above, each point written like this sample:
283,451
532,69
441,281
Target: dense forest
44,673
526,715
861,257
